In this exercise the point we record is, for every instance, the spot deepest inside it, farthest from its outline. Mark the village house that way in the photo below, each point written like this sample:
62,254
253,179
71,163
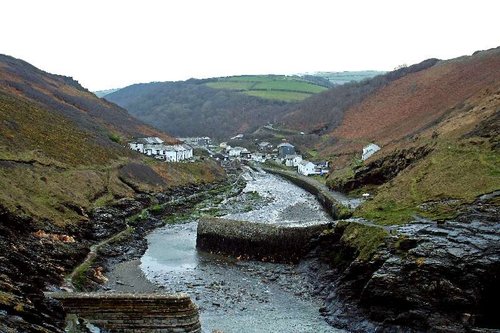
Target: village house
369,151
141,143
293,160
306,168
203,141
259,157
156,148
285,149
245,154
235,151
322,167
237,137
264,145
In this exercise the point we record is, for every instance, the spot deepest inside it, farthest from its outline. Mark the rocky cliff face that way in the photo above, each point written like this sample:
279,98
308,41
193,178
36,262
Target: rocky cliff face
424,276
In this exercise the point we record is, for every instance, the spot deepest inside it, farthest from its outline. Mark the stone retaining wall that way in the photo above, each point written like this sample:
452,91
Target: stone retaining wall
326,199
137,313
260,241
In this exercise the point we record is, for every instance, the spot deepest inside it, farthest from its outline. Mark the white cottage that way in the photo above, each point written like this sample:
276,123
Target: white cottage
306,168
369,151
155,147
235,151
293,160
141,143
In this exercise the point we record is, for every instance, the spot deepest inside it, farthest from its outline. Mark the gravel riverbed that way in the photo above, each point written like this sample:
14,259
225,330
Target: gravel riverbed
233,295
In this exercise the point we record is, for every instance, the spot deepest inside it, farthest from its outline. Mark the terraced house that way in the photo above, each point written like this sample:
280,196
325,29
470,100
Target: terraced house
154,146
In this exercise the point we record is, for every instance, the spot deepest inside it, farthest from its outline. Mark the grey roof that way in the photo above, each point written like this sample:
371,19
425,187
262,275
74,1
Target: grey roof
371,146
286,144
305,162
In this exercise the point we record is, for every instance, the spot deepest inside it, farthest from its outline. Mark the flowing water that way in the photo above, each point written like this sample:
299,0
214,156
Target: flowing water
242,296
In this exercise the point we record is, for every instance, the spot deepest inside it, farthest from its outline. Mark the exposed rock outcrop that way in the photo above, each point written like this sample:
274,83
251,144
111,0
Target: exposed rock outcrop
381,170
426,276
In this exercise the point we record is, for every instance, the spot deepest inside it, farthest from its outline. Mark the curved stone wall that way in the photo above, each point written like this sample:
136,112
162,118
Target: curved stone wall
137,313
250,240
325,198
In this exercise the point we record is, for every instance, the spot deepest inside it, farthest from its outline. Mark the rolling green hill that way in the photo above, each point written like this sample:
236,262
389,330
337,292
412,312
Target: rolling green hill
219,107
272,87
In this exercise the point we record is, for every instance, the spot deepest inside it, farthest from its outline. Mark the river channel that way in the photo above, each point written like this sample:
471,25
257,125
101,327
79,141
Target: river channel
240,296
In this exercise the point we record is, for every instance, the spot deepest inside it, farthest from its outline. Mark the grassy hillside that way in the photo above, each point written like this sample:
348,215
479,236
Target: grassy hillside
452,112
273,87
62,150
63,157
463,163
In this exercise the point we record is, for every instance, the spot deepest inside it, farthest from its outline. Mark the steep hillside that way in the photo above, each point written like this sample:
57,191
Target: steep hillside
191,108
418,100
439,123
423,248
62,165
323,112
448,165
67,97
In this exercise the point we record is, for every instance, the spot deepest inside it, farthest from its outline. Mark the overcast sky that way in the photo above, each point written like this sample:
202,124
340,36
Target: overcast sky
113,43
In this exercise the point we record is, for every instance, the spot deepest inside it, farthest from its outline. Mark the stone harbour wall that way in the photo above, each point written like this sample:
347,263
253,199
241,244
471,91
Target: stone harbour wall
260,241
137,313
331,204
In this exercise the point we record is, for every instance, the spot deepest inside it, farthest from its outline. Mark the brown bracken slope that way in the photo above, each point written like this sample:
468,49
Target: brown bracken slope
68,98
409,105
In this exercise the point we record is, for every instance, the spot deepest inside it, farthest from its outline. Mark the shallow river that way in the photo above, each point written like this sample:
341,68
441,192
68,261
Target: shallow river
241,296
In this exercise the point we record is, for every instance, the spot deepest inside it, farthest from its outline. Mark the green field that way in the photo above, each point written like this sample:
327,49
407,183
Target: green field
273,87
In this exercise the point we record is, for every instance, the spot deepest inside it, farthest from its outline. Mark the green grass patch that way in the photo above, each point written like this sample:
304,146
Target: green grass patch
272,87
286,96
137,218
231,85
80,279
365,239
115,137
452,175
290,85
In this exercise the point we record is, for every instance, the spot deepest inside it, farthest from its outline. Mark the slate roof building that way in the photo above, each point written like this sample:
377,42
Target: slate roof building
285,149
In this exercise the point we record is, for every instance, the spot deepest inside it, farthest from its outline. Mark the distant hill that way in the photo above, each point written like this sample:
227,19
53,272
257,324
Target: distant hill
324,111
193,108
220,107
102,93
338,78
